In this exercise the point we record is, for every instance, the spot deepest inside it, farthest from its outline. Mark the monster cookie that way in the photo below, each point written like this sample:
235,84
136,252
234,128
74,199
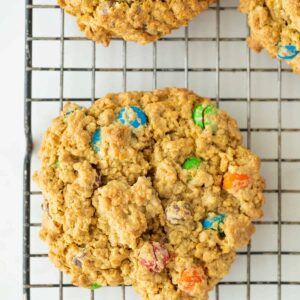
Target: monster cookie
141,21
275,26
150,189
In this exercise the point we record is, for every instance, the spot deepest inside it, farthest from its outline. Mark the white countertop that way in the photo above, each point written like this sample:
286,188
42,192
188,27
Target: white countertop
11,147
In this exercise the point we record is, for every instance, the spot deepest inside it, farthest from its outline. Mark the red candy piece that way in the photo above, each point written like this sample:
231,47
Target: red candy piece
191,276
154,256
235,181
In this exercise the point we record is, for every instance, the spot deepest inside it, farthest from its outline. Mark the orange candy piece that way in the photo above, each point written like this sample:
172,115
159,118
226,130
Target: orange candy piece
235,181
191,276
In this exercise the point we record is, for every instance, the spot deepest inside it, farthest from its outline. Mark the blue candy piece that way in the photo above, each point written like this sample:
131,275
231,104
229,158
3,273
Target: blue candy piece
133,116
96,139
208,223
287,52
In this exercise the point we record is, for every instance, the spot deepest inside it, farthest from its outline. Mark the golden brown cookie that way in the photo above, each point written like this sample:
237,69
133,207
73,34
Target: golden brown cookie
150,189
140,21
275,26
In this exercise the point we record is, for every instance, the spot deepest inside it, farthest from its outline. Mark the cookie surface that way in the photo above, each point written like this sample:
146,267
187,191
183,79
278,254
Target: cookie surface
141,21
275,26
150,189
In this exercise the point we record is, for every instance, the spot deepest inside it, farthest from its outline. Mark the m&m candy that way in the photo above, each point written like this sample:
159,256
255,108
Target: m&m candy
190,277
178,212
96,140
95,286
287,52
154,256
202,115
214,223
234,181
133,116
191,163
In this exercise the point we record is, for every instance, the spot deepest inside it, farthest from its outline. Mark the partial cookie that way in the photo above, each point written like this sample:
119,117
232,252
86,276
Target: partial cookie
275,26
139,21
150,189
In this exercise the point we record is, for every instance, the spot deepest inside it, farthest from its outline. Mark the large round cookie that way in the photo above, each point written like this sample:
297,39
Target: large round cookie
152,189
141,21
275,26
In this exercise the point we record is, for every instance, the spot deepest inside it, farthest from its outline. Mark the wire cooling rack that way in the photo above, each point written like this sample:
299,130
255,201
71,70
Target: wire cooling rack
210,57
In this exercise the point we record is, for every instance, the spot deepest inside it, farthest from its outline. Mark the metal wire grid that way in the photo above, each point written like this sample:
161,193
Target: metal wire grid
29,100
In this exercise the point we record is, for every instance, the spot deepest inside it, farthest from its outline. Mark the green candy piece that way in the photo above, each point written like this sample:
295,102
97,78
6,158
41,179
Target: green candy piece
95,286
191,162
57,164
200,112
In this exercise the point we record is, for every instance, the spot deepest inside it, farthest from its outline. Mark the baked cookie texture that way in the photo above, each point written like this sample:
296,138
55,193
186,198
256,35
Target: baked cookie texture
275,26
142,21
150,189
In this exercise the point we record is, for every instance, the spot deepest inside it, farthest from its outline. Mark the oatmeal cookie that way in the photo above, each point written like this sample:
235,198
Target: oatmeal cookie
275,26
141,21
150,189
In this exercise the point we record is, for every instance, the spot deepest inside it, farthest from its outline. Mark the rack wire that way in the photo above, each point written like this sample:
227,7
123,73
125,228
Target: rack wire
278,191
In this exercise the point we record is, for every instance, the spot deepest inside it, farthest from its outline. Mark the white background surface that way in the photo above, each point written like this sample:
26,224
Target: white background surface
11,147
78,84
